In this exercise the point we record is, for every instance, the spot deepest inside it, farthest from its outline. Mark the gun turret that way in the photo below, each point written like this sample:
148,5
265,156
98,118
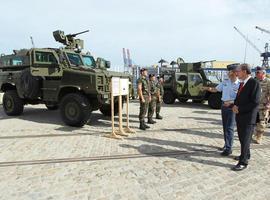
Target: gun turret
69,40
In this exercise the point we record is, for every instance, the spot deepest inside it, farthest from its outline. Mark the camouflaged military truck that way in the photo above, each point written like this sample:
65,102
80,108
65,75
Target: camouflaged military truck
186,83
62,78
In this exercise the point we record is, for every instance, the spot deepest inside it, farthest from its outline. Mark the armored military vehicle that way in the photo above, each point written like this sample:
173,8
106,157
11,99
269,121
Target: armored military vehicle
186,83
57,77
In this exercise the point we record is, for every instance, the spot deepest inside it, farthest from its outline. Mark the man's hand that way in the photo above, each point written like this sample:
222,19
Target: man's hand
267,106
235,109
143,100
204,88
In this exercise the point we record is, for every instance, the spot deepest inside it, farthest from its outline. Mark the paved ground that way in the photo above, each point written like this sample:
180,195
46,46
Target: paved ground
177,158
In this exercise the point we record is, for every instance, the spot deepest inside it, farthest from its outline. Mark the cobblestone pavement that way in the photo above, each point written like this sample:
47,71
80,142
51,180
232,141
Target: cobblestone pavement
177,158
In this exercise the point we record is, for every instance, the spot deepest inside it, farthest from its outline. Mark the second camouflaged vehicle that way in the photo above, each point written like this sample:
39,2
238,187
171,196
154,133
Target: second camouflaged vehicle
186,83
57,77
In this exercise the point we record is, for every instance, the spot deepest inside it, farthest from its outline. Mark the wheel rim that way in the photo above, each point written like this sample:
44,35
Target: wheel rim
9,104
72,111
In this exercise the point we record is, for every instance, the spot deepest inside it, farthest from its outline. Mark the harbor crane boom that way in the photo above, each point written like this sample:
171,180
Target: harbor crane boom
246,38
262,29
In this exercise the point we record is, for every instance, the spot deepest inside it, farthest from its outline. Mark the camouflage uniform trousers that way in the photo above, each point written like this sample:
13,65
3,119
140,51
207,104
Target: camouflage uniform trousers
152,106
261,125
143,107
158,106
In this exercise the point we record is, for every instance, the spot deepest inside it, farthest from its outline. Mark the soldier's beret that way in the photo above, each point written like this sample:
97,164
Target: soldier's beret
232,67
260,68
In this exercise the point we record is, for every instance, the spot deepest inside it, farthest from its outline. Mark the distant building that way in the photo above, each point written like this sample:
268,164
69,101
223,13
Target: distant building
221,64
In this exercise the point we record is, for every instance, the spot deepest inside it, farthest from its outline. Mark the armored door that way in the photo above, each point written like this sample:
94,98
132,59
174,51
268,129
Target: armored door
44,62
195,83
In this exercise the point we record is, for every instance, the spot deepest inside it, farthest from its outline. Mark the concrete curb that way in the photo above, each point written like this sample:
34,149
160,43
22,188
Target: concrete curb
1,97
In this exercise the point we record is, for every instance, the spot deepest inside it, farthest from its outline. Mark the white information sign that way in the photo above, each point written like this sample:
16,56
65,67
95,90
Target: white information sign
124,84
115,86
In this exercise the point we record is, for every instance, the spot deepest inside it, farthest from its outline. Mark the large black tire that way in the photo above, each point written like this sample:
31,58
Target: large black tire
75,109
13,105
182,100
168,97
51,106
214,100
105,109
29,85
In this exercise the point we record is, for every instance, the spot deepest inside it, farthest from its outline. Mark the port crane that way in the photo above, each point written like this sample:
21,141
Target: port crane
262,29
265,55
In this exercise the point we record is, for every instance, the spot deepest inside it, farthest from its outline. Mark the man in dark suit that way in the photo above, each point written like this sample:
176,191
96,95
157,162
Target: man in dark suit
246,108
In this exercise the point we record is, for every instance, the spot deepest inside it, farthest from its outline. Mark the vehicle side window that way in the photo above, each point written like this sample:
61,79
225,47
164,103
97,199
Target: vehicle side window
17,61
197,79
6,62
45,57
182,78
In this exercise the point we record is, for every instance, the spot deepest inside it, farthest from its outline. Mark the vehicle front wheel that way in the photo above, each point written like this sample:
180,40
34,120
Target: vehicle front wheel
75,109
214,100
13,105
168,97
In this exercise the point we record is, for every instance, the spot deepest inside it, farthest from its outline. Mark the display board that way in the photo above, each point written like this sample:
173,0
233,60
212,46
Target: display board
115,86
124,86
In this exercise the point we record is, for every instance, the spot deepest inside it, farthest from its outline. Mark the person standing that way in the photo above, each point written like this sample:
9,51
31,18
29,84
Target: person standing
246,108
144,96
153,101
264,106
229,88
160,96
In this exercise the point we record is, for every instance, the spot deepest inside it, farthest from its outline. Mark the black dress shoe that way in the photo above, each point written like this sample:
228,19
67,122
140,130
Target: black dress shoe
226,153
221,148
239,167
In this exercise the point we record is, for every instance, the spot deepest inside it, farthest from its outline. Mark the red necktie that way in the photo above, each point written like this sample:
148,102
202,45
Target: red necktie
240,88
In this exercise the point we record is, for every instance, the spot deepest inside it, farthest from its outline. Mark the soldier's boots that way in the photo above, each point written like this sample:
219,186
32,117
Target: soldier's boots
145,125
159,117
142,126
151,121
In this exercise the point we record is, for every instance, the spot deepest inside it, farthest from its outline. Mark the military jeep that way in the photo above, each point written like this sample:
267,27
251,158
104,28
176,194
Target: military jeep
186,83
62,78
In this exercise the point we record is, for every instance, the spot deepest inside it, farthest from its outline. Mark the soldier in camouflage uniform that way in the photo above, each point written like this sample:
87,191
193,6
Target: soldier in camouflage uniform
264,105
144,96
153,101
160,97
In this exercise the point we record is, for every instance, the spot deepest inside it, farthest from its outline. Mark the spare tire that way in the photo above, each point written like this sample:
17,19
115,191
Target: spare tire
214,100
28,85
168,97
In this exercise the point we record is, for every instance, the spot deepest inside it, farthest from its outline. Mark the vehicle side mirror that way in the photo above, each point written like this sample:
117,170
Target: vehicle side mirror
108,64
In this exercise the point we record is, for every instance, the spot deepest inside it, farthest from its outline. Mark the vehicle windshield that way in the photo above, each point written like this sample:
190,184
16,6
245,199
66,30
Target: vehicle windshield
74,59
215,76
89,61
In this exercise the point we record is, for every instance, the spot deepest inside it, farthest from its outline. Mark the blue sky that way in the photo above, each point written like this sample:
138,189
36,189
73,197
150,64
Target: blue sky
194,30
